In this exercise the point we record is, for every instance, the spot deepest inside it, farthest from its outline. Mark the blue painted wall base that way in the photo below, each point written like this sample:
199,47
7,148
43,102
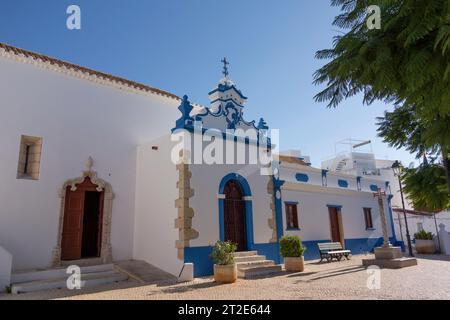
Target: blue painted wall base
204,266
270,250
200,257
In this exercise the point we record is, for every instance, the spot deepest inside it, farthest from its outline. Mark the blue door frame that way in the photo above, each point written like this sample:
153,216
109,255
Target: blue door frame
247,207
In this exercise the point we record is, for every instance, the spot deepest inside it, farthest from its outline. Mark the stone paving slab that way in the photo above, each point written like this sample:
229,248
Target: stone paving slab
430,279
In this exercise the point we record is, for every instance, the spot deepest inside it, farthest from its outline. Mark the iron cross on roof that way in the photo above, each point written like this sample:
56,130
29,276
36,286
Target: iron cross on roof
225,66
379,194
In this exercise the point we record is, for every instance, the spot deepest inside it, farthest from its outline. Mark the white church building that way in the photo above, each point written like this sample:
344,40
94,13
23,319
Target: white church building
87,172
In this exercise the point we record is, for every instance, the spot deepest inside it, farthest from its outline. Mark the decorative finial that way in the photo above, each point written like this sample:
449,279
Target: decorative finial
185,109
225,67
262,125
89,164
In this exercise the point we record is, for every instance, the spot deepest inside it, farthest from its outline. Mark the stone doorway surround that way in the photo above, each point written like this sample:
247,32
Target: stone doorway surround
105,249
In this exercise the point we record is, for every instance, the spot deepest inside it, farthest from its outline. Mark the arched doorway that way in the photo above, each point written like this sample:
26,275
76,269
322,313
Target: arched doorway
234,215
82,225
93,196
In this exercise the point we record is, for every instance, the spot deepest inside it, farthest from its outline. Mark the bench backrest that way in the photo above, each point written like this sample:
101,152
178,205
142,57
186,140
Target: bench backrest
329,246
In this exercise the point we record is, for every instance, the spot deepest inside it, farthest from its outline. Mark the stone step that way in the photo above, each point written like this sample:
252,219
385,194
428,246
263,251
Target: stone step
254,264
245,253
249,258
89,280
36,275
253,272
82,262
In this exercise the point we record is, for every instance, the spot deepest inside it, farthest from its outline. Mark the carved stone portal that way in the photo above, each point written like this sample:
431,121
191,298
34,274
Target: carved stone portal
105,249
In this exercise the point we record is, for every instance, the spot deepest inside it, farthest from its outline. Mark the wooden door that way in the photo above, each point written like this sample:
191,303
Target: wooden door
76,211
234,215
72,225
334,223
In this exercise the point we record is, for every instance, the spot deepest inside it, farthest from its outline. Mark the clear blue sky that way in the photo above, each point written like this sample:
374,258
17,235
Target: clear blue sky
176,45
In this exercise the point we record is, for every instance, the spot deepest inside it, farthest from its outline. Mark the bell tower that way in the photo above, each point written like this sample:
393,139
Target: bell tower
226,94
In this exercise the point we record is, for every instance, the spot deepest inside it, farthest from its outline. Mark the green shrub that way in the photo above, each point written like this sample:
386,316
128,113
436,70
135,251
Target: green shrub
291,246
222,253
423,235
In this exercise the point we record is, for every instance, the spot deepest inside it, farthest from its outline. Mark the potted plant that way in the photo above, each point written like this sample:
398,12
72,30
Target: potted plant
225,270
292,250
424,242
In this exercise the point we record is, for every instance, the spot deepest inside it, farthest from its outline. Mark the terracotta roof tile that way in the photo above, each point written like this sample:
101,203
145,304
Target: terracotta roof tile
102,75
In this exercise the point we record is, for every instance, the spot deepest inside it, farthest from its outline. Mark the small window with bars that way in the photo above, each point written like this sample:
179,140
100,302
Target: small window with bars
368,218
29,158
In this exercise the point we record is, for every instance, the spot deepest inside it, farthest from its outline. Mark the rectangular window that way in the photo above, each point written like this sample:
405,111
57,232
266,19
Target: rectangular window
29,158
368,218
419,226
291,216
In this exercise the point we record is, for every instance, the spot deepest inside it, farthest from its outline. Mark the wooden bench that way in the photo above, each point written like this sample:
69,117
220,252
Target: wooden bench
332,250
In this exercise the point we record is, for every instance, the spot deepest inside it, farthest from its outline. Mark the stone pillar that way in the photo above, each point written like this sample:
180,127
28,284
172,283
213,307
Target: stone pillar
386,242
387,256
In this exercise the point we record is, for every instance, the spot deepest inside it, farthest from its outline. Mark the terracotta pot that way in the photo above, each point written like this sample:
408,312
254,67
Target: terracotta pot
425,246
225,273
295,264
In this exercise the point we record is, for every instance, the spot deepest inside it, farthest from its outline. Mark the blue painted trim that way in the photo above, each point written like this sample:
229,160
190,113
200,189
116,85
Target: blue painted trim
226,135
342,183
249,224
270,250
185,108
200,257
374,187
221,219
277,183
262,125
371,229
334,206
242,181
223,88
227,100
204,265
248,207
301,177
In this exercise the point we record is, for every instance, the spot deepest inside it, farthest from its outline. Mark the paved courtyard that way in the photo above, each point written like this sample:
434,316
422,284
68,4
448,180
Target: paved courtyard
337,280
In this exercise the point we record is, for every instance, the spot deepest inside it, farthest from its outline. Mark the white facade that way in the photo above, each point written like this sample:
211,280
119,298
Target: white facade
365,165
418,222
78,117
163,212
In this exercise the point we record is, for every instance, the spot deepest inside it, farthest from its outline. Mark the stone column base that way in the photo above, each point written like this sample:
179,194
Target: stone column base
388,253
389,257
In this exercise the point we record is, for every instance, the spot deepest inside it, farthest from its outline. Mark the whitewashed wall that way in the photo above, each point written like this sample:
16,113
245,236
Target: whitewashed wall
314,220
76,119
426,221
313,199
156,192
206,180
